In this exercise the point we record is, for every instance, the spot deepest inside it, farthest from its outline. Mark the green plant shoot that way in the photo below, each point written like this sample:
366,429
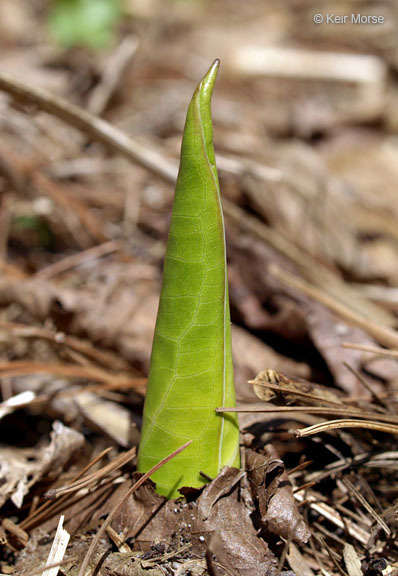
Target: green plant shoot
191,372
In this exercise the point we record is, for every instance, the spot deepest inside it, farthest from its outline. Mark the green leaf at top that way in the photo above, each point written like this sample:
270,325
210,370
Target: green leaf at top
191,372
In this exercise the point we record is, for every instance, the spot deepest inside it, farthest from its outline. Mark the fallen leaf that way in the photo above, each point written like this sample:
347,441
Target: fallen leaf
272,491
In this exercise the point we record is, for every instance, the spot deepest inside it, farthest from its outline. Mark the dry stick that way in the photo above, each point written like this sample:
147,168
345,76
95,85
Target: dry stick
371,349
77,259
110,516
383,334
316,410
335,424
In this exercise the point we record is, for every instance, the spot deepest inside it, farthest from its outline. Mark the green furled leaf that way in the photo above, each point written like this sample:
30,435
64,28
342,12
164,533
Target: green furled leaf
191,372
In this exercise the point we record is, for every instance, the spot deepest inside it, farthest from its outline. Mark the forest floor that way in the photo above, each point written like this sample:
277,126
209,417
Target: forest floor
305,129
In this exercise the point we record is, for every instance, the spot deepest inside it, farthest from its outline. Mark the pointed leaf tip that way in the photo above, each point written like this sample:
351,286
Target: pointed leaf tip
209,80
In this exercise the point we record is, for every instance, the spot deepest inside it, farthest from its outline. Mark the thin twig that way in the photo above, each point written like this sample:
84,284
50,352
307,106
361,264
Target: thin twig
371,349
334,424
354,412
332,555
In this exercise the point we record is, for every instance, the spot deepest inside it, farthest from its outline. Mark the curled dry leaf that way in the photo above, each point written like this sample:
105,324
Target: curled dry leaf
272,491
272,386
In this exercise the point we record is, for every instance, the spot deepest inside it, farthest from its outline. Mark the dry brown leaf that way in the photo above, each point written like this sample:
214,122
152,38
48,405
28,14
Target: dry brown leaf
217,510
272,491
21,468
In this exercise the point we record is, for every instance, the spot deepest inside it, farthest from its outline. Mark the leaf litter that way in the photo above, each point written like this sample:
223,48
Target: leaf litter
307,170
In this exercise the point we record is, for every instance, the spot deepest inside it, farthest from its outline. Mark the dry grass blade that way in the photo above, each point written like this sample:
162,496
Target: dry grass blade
98,536
336,424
